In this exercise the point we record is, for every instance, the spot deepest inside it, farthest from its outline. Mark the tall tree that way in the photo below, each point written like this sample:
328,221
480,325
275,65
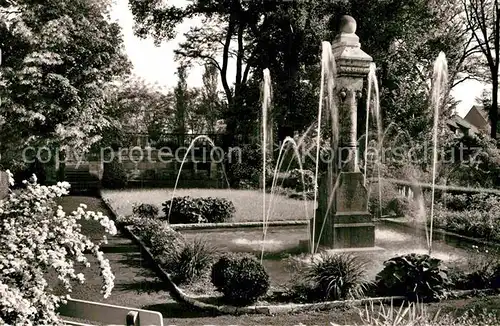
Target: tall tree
483,19
134,106
58,59
231,29
181,101
210,102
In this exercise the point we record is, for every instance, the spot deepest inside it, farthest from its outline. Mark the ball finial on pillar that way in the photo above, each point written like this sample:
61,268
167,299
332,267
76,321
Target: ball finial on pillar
348,25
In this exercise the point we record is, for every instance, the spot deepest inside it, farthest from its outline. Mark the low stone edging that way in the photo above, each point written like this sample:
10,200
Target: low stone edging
204,226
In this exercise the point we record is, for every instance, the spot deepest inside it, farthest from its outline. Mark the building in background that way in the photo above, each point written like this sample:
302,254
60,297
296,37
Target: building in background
478,117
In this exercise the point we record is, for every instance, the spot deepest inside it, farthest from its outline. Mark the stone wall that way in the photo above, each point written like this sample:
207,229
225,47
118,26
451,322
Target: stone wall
4,184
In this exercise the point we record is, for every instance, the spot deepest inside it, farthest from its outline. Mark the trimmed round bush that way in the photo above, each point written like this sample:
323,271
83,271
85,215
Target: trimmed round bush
418,277
241,279
145,211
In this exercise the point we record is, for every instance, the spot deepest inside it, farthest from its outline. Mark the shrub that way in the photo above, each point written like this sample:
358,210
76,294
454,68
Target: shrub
294,180
482,268
464,202
454,202
418,277
392,201
246,167
495,277
114,175
4,184
191,261
476,215
185,261
337,277
241,278
145,210
474,223
38,238
129,220
186,210
158,236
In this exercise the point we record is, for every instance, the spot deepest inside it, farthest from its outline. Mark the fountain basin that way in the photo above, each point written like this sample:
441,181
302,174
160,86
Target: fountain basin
283,242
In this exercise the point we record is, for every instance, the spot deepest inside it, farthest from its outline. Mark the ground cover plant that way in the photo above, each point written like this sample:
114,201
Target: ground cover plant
418,277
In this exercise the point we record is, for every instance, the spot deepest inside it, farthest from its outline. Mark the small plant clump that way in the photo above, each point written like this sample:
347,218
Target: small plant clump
192,261
418,277
241,278
417,314
338,276
145,210
330,277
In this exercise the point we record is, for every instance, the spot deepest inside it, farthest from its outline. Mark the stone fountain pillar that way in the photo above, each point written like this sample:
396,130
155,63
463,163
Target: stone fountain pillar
347,224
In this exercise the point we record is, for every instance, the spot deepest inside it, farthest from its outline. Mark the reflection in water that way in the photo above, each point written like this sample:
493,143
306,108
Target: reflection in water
389,235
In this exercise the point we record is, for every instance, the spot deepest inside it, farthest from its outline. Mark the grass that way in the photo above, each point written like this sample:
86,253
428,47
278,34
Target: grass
248,203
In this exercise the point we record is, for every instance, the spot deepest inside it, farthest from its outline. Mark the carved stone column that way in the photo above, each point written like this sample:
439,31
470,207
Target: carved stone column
348,224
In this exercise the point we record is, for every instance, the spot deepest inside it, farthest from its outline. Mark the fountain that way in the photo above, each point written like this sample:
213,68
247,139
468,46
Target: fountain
347,224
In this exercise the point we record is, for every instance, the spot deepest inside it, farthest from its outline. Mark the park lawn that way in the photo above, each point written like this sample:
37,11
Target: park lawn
248,203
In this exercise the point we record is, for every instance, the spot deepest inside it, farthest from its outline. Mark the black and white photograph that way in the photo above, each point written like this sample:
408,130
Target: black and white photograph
249,162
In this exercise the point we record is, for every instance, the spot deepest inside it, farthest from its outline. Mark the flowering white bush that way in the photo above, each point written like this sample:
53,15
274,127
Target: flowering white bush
37,237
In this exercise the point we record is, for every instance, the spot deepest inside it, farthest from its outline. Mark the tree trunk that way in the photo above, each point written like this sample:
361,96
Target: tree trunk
494,109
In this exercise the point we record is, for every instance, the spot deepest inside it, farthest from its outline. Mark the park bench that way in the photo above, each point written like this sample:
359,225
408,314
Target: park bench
105,314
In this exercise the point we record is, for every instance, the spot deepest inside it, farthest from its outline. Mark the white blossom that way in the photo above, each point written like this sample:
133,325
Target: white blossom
36,237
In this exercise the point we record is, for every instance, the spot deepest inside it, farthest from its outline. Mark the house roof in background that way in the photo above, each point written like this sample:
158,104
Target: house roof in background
459,122
477,112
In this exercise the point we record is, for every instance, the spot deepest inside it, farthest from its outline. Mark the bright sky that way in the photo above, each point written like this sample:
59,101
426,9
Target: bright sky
157,65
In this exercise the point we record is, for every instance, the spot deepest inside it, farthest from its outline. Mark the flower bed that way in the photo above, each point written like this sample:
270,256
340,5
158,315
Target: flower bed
427,278
475,215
